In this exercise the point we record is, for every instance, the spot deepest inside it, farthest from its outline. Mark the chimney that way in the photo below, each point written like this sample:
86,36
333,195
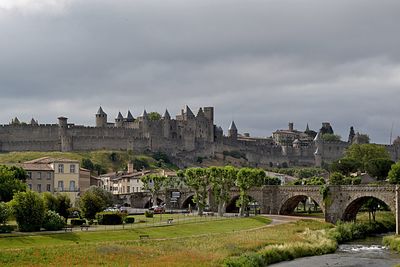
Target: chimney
130,167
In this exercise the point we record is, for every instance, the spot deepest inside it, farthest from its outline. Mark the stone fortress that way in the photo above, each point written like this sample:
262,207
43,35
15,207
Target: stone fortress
185,139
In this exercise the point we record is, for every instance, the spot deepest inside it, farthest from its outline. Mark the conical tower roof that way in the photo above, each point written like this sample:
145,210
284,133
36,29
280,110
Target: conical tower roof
120,117
129,116
200,113
318,137
100,111
33,122
188,111
307,128
166,114
144,114
232,126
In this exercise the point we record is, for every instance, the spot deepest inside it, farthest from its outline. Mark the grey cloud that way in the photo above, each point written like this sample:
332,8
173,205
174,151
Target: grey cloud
262,63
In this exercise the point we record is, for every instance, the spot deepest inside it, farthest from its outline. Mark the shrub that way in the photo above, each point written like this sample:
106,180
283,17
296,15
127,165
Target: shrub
28,208
77,222
109,218
52,221
129,219
148,214
4,212
6,229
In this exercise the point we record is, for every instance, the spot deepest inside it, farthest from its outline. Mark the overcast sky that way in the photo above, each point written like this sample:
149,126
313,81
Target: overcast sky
262,63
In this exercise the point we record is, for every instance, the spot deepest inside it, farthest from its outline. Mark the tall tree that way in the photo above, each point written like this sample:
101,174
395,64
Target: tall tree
222,179
28,208
198,179
246,178
153,183
366,152
379,168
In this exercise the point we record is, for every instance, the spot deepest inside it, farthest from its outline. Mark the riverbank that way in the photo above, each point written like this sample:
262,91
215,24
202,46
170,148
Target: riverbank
315,243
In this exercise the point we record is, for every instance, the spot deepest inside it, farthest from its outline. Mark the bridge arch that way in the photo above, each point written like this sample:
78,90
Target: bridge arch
291,196
352,208
291,203
188,200
254,195
148,203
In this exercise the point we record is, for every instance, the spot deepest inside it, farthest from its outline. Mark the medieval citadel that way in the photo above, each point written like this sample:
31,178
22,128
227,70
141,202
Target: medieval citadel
184,139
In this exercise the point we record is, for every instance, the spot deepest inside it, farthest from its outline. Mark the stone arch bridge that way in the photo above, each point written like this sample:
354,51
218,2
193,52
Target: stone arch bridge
341,202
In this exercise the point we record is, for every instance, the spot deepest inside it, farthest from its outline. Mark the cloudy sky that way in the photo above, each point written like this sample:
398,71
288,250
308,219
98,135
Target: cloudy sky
262,63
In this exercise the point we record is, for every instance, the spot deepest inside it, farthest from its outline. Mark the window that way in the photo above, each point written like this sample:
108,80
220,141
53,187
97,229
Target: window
48,187
72,168
137,189
49,176
39,188
29,175
39,175
128,189
60,168
30,186
71,185
60,186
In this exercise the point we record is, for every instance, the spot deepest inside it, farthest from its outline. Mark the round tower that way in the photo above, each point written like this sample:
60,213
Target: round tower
66,141
101,118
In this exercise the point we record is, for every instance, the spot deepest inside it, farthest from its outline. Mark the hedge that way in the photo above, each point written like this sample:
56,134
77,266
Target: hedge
77,222
109,218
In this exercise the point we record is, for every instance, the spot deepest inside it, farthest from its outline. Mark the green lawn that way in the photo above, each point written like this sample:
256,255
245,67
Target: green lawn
164,231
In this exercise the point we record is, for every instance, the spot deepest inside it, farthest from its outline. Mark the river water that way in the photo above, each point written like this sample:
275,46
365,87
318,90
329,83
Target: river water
360,253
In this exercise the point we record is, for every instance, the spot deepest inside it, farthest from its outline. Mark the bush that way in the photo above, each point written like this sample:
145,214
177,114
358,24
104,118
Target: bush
52,221
6,229
148,214
4,212
28,208
109,218
77,222
129,219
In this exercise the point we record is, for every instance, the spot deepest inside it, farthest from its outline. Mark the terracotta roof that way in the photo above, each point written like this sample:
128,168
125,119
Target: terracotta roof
48,160
35,167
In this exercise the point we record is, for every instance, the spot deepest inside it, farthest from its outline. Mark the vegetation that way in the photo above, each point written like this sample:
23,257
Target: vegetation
339,179
328,137
345,166
393,242
52,221
394,174
28,208
222,180
94,200
198,180
364,153
300,172
154,116
5,212
109,218
11,181
246,178
379,168
153,183
59,203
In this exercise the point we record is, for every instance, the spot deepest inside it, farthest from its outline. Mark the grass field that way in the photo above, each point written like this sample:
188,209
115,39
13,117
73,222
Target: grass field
195,244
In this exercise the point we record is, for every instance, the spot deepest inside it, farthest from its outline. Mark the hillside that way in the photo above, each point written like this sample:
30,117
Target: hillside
108,160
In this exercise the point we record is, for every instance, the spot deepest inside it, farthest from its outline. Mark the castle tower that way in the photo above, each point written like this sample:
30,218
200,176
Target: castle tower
188,113
34,122
291,126
129,117
166,124
66,141
352,134
101,118
232,131
119,120
209,114
318,152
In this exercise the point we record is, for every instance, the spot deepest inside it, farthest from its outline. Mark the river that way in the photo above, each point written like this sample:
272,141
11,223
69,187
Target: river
368,252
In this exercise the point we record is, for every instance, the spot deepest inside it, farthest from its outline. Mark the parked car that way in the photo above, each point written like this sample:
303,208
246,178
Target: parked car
158,209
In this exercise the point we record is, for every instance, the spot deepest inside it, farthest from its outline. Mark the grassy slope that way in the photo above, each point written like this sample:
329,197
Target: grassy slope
101,157
121,248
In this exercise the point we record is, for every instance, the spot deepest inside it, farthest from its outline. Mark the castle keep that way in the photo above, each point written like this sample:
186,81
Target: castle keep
185,139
